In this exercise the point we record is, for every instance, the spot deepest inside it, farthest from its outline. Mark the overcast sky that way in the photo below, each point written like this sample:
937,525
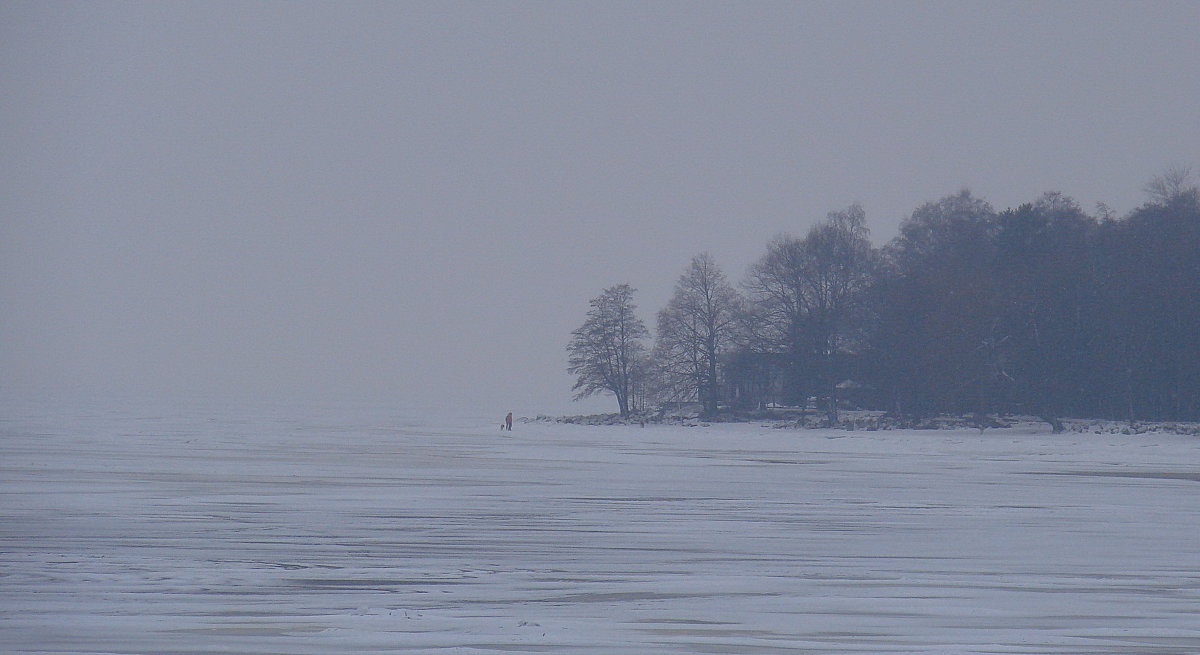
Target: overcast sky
416,201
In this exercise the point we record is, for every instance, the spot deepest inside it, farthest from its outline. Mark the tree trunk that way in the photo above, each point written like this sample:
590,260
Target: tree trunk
1055,423
623,404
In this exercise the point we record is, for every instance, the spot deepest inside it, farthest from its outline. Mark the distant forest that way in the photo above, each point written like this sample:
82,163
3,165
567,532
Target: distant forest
1043,309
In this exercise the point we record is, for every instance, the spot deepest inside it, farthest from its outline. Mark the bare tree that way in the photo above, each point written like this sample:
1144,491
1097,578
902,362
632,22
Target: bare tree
695,329
606,352
775,289
808,292
1172,185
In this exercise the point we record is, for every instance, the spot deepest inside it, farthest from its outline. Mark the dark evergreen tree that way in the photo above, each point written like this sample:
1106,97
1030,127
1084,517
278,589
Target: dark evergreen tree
936,347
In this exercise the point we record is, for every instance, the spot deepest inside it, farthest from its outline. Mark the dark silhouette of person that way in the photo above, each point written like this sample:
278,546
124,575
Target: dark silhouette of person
508,422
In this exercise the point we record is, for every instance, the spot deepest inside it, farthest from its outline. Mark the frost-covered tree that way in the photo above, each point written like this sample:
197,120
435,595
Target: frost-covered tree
607,352
695,329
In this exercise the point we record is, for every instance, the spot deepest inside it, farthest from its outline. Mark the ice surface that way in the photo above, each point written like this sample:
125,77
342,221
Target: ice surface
361,529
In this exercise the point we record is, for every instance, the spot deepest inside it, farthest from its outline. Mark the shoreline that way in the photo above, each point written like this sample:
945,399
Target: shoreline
877,421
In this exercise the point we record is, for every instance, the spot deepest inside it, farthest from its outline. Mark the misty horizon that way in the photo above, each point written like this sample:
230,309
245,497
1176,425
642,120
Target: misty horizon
416,202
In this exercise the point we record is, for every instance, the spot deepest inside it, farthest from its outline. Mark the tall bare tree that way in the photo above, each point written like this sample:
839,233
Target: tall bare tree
809,292
695,329
1173,185
606,352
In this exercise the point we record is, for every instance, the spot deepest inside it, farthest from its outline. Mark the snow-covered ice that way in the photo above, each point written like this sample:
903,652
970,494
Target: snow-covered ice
363,529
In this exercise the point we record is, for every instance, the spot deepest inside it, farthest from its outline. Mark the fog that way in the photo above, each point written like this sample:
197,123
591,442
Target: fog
416,201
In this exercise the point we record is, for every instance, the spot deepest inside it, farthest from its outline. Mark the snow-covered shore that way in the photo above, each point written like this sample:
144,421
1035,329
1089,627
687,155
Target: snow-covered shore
870,421
365,530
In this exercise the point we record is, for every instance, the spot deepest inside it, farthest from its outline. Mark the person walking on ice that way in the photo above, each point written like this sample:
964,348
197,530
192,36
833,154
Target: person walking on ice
508,422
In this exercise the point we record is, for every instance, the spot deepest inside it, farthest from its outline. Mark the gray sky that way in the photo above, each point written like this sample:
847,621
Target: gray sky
416,201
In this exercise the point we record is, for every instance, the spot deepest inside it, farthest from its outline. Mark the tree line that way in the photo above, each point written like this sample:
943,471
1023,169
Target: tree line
1043,309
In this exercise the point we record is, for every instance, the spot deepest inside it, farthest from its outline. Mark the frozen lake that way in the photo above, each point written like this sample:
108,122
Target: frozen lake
361,529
